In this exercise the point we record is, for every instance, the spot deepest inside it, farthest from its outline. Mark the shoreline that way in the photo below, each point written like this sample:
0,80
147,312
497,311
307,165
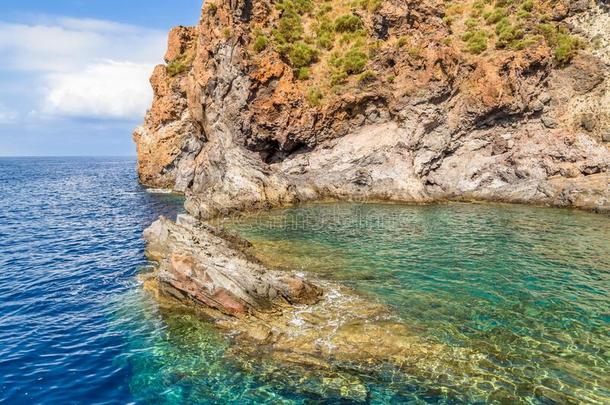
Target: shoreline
370,335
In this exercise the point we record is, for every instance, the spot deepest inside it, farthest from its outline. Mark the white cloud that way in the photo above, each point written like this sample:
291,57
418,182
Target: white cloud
105,89
83,67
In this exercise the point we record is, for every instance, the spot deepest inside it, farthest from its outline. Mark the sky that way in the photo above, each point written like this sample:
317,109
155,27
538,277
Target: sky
74,73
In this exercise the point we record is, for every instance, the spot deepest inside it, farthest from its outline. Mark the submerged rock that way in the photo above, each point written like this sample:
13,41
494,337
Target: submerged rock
285,318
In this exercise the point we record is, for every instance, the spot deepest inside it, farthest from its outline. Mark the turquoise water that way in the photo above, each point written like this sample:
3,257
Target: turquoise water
526,288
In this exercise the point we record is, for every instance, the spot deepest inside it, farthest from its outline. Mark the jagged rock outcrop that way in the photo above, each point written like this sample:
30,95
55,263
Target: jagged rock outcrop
197,264
266,103
285,318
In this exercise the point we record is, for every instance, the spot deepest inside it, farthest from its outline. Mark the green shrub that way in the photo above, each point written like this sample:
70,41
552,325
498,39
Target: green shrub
335,60
325,33
314,97
338,78
358,38
348,23
303,6
374,5
367,76
454,9
302,55
260,43
526,42
507,33
370,5
402,41
567,47
176,67
496,15
324,9
549,33
479,5
527,5
502,25
302,73
325,41
476,41
472,23
289,28
477,9
415,52
354,61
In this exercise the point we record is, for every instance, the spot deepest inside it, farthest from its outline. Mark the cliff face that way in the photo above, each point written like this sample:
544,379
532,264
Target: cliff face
265,103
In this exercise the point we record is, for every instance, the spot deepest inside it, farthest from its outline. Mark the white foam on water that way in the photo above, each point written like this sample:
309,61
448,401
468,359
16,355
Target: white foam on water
159,190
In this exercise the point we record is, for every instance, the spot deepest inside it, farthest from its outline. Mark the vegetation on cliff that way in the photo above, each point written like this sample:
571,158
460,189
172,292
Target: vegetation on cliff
510,24
330,43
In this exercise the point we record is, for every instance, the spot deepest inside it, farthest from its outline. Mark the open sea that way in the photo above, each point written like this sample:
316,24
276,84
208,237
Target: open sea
528,289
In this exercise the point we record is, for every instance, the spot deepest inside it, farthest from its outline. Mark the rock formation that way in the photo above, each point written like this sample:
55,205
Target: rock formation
244,118
266,103
198,265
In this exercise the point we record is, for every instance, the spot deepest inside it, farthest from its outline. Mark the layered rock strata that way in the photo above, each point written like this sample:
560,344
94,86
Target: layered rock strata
233,128
195,263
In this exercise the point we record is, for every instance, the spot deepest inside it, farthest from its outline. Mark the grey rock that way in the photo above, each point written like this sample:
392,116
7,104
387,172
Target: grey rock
198,262
545,97
549,121
536,106
578,6
588,122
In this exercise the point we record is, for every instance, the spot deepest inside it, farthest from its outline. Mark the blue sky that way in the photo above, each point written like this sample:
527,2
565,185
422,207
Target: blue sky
74,73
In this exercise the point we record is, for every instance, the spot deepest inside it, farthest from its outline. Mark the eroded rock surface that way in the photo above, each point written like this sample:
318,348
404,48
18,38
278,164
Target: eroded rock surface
281,318
235,128
198,265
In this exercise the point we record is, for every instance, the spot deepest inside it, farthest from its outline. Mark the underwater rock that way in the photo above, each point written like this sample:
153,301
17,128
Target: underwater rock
289,318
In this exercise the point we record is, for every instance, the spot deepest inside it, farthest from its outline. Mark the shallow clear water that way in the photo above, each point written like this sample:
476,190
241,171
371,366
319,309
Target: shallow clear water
525,287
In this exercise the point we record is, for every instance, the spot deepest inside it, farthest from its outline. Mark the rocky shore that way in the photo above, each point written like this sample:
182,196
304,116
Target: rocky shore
269,103
284,318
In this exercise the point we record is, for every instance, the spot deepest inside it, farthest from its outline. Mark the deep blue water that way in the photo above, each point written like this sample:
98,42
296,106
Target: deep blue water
70,249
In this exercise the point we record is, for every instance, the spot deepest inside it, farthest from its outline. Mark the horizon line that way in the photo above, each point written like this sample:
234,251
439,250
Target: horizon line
62,156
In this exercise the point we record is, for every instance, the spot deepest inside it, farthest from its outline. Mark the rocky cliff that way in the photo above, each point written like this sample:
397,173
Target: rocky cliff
266,103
